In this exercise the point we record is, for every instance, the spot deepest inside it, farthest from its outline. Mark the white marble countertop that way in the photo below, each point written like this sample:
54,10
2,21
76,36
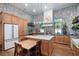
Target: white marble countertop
75,42
42,37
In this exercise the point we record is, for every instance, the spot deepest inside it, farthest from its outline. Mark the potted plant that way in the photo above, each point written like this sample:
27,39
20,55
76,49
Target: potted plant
64,29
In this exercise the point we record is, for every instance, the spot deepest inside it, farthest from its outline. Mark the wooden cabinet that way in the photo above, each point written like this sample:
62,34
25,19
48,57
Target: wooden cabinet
7,18
1,18
46,48
23,27
20,38
1,37
1,34
62,39
15,20
58,39
66,40
50,47
75,50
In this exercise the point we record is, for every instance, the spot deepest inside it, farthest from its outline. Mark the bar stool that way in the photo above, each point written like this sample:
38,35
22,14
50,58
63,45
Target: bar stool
36,51
18,50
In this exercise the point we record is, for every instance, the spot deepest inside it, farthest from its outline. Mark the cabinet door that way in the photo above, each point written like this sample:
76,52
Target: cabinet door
77,52
1,40
1,18
74,50
58,39
1,29
7,18
50,48
45,47
25,27
15,20
67,40
21,27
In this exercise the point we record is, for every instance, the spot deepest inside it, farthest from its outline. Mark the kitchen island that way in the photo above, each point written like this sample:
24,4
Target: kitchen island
41,37
46,45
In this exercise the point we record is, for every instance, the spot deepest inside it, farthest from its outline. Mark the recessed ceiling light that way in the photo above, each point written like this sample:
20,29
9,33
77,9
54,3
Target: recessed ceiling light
45,6
34,10
26,5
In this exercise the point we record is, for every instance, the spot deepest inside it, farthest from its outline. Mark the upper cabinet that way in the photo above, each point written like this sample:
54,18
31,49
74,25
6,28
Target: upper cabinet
22,26
25,27
7,18
15,20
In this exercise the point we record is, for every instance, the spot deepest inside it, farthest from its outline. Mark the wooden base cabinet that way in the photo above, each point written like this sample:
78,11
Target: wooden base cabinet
46,48
75,50
62,39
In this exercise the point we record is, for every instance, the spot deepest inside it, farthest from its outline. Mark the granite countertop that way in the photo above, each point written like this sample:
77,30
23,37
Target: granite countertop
42,37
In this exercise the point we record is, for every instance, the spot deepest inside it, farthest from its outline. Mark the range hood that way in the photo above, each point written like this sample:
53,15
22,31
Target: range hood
47,24
48,18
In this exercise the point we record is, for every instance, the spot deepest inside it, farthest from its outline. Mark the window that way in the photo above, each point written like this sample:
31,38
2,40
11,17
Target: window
58,26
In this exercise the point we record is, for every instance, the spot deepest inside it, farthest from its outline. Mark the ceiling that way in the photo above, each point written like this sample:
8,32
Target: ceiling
40,7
